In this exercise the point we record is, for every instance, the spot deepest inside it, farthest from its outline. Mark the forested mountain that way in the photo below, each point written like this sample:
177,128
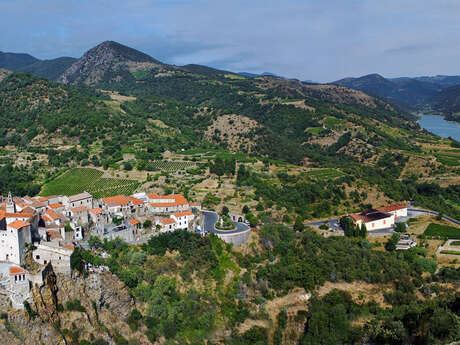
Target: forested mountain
441,80
14,61
49,69
447,102
405,91
288,113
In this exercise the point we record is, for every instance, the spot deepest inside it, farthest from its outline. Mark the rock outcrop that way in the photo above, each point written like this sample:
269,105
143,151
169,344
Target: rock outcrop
66,310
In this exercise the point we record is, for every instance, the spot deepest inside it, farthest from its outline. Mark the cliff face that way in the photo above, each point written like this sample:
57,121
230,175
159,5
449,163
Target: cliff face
70,310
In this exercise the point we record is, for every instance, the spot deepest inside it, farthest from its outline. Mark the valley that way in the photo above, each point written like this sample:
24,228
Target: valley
299,163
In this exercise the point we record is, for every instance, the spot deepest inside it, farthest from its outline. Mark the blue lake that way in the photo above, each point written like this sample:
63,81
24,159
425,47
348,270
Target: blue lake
437,125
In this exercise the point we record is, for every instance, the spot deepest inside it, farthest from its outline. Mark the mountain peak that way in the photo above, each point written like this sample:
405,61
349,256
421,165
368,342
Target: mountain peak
114,51
91,68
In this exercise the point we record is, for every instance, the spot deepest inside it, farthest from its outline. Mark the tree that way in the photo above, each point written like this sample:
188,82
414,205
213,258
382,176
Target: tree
95,242
68,227
253,221
76,260
298,225
400,227
147,224
392,242
245,209
363,233
225,211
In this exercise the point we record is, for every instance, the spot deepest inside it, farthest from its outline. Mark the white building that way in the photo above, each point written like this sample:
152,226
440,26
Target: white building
396,210
374,220
82,199
167,203
183,219
167,224
13,238
118,205
381,218
58,255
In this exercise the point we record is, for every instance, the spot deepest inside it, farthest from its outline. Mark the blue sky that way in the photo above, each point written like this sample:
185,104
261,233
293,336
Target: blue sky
321,40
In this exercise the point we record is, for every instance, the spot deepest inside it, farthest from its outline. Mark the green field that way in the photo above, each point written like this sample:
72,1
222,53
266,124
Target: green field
324,174
455,243
437,230
446,160
169,166
315,130
332,122
78,180
451,252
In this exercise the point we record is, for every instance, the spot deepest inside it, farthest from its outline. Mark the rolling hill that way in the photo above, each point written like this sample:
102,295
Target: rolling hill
49,69
447,102
407,92
14,61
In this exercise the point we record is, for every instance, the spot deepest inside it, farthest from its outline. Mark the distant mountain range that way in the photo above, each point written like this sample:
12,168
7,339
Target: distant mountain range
438,93
254,75
110,65
49,69
190,98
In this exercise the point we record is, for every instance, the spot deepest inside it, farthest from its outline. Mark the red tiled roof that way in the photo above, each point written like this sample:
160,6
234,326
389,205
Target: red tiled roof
135,201
391,208
163,204
370,216
46,219
18,224
52,214
15,215
56,205
67,246
153,196
133,221
96,210
118,199
54,235
78,209
17,270
182,214
166,221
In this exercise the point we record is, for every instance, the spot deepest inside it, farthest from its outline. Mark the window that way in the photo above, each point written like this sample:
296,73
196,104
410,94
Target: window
37,257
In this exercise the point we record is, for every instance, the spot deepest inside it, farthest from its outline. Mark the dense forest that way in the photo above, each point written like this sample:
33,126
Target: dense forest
180,311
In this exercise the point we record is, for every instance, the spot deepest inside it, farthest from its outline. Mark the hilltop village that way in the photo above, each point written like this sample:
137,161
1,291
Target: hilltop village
42,232
49,228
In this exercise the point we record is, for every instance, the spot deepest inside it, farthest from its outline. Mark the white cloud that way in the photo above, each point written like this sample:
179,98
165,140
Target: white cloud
308,39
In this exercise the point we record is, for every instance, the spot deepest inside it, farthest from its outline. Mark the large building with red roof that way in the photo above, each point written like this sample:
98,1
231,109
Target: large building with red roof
381,218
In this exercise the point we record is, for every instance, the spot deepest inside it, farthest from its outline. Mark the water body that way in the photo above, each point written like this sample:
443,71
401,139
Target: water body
437,125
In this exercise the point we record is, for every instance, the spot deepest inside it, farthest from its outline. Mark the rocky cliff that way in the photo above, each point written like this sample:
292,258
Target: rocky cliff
69,310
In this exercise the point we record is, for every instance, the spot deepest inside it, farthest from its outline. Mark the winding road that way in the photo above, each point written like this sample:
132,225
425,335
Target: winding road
411,212
210,220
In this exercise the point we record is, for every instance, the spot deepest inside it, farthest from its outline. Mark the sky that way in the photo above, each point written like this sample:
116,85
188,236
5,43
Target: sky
319,40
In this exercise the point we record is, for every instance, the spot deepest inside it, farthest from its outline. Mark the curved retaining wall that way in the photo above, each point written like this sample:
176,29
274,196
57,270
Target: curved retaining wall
236,238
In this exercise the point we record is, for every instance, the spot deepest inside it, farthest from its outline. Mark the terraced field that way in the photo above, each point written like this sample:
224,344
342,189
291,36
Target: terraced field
324,174
78,180
169,166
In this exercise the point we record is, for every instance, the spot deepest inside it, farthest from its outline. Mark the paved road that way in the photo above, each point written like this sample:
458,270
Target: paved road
210,219
420,210
333,223
411,212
